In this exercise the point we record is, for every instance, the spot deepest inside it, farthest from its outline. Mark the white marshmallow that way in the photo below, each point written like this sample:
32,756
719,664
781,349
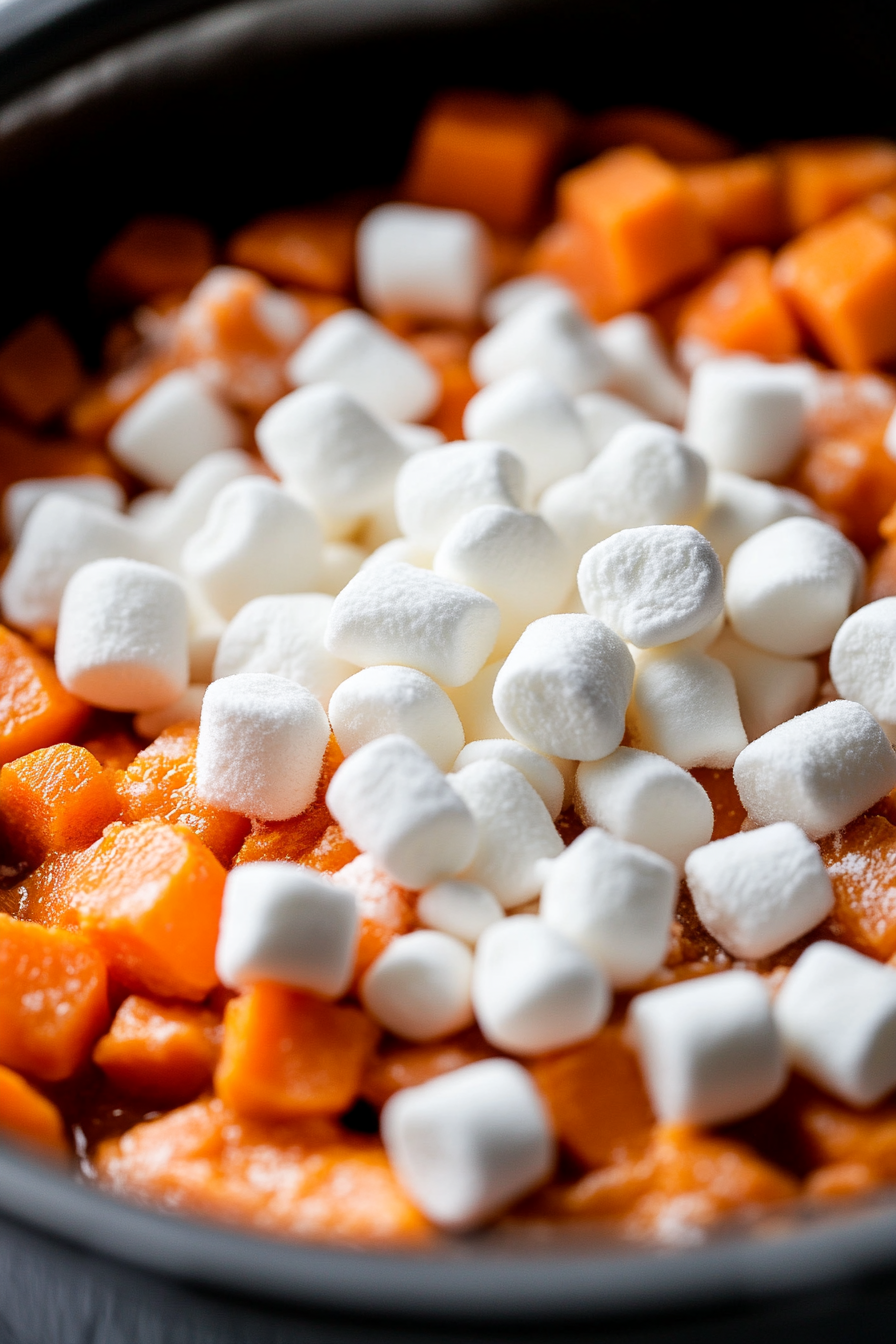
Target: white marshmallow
186,507
399,614
414,438
419,988
759,890
863,661
647,474
122,637
255,541
339,562
394,803
286,923
548,334
475,706
537,420
770,689
745,415
534,990
514,829
469,1143
22,496
146,507
570,507
324,445
647,800
261,746
384,373
684,706
541,773
513,294
382,700
640,368
602,414
837,1014
174,424
463,909
206,628
615,901
790,587
564,688
821,770
709,1048
653,585
185,709
737,507
398,551
415,259
438,486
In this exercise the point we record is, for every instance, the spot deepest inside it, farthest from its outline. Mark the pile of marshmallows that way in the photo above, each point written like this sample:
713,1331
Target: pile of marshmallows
478,622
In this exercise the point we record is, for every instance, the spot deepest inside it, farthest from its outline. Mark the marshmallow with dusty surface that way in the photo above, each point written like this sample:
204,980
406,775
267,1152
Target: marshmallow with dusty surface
284,634
548,334
603,414
361,355
416,259
463,909
22,496
534,990
400,614
122,637
790,587
647,474
515,830
531,415
541,773
647,800
185,709
709,1048
757,891
570,507
745,415
289,924
565,686
737,507
437,486
467,1144
394,803
640,368
339,562
615,901
837,1014
186,507
820,770
863,661
513,294
382,700
174,424
261,746
684,706
419,988
475,706
770,689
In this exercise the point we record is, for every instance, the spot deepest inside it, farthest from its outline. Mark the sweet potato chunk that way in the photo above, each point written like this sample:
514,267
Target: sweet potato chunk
35,709
410,1065
40,372
861,863
164,1051
740,198
314,247
823,177
152,255
738,308
852,480
26,1114
670,134
332,852
291,839
729,813
387,909
58,798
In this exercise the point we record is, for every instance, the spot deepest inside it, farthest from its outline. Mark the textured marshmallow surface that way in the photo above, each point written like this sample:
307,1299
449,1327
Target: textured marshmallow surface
653,585
548,334
463,909
820,770
22,496
437,486
647,474
398,551
382,700
571,507
261,745
400,614
468,1144
414,259
770,689
564,688
537,420
419,988
737,507
640,368
174,424
863,661
541,773
603,414
395,804
185,508
122,637
759,890
614,900
286,923
684,706
746,416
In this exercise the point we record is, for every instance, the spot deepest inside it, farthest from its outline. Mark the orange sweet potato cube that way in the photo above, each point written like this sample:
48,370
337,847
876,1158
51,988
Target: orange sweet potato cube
40,371
165,1051
823,177
291,839
739,308
566,249
729,813
35,709
152,255
26,1114
314,247
333,851
861,863
286,1054
741,199
411,1065
387,910
853,481
670,134
57,798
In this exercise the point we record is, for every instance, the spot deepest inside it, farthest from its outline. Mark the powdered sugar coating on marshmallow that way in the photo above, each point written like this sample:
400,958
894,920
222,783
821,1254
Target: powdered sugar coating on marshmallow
437,486
684,706
548,334
416,259
541,773
647,474
863,661
419,987
382,700
170,427
537,420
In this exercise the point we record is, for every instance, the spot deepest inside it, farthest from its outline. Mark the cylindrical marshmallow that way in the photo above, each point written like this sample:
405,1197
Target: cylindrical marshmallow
737,507
415,259
745,415
382,700
170,427
437,486
463,909
770,689
541,773
185,508
640,368
863,661
548,334
602,414
419,988
684,706
187,708
475,707
647,474
22,496
513,294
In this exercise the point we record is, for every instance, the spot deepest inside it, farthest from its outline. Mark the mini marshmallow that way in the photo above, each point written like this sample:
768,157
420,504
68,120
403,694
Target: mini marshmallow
548,334
174,424
514,294
515,558
640,368
463,909
514,828
122,637
602,414
534,990
206,628
684,706
384,373
383,700
570,507
709,1048
284,634
647,474
255,541
327,447
469,1143
339,562
398,551
475,706
537,420
438,486
419,988
737,507
863,661
615,901
185,509
261,746
820,770
541,773
394,803
286,923
770,689
837,1014
21,497
399,614
653,585
647,800
790,587
414,259
745,415
759,890
564,688
185,709
414,438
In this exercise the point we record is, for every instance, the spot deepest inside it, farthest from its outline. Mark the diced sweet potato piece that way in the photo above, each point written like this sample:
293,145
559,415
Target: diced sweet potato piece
40,372
165,1051
861,863
738,308
566,249
457,389
287,1054
314,247
24,455
410,1065
318,306
853,481
387,909
741,199
841,1180
26,1114
58,798
671,134
823,177
35,709
291,839
729,813
854,406
834,1133
114,749
153,254
333,851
